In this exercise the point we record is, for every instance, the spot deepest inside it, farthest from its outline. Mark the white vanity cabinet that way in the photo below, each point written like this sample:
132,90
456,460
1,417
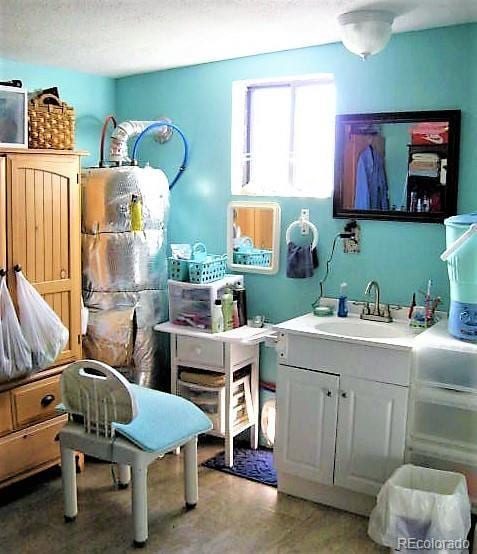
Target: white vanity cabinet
307,408
341,417
371,433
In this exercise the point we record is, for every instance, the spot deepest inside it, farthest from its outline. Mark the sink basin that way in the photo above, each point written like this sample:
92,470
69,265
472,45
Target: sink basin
364,329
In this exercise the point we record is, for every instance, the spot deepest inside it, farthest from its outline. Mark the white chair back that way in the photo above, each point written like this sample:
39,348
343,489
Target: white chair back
98,393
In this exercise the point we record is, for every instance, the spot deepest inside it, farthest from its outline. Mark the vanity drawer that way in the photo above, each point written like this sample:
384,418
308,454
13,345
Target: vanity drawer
442,415
6,421
36,401
199,351
30,448
375,363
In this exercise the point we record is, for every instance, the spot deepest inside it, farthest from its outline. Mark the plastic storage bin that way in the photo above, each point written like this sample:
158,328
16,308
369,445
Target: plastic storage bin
445,416
190,304
443,360
421,504
211,400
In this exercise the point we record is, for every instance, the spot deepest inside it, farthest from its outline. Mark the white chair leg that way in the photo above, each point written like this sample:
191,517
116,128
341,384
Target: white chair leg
124,476
191,484
139,504
68,477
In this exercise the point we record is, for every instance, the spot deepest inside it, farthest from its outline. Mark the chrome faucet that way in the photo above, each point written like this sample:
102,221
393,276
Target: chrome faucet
375,314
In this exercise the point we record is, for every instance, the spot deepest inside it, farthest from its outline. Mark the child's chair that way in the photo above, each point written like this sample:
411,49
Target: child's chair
102,405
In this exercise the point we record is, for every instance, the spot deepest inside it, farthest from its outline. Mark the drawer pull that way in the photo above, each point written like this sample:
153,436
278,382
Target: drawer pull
47,400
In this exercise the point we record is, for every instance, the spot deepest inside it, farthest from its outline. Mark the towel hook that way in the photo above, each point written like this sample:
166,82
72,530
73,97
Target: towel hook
299,223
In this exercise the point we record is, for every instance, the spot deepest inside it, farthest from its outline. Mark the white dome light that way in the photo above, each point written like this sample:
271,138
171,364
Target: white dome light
366,32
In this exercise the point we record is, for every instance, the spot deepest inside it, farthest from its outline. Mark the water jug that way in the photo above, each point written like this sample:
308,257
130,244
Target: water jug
461,257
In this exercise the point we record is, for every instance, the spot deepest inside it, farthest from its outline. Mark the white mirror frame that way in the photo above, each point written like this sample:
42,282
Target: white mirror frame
273,268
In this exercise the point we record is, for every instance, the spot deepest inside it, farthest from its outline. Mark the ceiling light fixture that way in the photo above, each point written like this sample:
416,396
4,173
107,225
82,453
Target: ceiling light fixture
366,32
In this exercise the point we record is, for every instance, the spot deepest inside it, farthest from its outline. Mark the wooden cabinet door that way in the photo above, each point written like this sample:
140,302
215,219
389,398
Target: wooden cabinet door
3,214
43,226
371,433
306,423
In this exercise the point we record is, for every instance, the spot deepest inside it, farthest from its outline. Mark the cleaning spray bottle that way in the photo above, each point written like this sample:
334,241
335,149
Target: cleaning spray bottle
343,301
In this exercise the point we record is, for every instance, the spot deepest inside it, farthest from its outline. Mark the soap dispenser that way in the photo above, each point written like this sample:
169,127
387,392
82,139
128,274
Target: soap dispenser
343,301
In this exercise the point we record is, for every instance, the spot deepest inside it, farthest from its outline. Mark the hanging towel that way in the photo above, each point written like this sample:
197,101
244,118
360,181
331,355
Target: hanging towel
301,261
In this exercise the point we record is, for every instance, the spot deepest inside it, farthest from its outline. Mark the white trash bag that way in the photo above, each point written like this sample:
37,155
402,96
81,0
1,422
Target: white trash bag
422,504
43,329
15,354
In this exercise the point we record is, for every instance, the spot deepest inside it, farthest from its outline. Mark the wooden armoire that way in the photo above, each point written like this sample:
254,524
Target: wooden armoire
40,214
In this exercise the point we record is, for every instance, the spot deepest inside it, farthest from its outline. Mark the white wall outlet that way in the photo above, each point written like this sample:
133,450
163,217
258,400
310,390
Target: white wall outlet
305,216
352,246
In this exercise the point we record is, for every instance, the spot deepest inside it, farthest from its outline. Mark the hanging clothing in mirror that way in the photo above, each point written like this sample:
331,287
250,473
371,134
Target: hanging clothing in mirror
371,192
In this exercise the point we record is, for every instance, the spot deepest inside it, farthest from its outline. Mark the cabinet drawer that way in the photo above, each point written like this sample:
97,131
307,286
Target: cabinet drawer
36,401
445,416
200,351
30,448
6,423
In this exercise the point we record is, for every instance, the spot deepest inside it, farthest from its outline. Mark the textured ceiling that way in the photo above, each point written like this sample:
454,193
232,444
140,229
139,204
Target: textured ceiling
123,37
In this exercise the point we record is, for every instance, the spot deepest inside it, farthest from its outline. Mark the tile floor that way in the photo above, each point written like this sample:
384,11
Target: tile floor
233,516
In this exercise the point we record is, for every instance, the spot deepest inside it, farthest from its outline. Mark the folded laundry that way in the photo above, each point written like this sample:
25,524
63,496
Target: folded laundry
207,379
426,156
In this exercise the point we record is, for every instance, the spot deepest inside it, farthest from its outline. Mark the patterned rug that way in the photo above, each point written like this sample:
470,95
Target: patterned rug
255,465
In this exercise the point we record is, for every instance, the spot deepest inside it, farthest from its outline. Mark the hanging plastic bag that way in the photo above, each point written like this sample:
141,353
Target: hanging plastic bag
15,354
43,329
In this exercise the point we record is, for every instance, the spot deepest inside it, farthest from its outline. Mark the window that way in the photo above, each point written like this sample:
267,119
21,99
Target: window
283,136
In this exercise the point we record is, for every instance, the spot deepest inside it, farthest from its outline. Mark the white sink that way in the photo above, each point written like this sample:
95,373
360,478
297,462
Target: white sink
359,328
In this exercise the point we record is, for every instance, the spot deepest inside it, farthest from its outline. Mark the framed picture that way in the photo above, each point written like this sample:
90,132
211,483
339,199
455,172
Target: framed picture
13,117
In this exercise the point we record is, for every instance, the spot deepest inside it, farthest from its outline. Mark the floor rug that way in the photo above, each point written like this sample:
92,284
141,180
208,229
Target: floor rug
255,465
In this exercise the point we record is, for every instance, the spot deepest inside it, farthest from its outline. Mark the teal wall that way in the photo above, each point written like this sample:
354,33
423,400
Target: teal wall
93,97
433,69
424,70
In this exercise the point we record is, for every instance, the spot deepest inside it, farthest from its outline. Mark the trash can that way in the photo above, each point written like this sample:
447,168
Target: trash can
422,509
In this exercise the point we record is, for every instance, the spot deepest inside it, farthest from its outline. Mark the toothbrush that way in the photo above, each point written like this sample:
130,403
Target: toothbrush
428,300
412,306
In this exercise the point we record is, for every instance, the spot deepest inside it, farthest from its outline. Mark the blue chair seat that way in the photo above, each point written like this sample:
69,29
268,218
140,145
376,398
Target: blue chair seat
163,421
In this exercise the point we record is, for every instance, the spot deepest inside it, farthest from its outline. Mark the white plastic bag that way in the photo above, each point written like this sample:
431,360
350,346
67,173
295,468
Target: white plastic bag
43,329
15,354
422,504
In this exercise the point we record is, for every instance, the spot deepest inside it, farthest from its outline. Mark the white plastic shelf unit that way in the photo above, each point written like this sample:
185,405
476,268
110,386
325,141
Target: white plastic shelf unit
225,353
442,425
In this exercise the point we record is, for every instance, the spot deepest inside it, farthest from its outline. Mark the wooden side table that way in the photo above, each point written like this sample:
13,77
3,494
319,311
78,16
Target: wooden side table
225,353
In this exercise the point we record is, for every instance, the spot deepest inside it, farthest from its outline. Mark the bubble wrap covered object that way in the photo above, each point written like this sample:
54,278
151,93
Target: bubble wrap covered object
124,269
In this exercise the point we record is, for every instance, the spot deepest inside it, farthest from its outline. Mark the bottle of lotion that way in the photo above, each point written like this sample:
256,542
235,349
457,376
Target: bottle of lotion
217,317
343,301
227,309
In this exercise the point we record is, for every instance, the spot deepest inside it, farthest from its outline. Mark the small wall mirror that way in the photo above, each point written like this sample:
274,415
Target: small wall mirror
253,236
397,166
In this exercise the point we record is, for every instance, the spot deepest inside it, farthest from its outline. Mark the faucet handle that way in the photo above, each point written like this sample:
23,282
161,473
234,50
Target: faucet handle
365,305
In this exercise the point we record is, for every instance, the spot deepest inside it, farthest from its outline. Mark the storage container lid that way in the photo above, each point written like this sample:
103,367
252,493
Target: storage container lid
462,219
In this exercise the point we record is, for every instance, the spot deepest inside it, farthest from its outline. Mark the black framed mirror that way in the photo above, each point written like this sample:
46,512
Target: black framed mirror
400,166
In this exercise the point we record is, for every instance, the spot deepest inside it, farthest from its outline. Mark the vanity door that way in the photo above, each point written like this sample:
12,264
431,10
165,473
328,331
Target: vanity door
371,433
307,403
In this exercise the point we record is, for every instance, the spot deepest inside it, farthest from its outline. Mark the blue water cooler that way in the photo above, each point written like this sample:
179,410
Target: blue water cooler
461,257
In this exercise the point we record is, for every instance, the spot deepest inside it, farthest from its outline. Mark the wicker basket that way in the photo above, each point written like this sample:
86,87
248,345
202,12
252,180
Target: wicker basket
50,125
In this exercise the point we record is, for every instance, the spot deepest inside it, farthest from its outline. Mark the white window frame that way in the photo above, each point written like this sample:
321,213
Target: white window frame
241,91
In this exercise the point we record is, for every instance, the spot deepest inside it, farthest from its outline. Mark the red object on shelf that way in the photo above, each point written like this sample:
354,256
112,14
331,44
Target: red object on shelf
430,133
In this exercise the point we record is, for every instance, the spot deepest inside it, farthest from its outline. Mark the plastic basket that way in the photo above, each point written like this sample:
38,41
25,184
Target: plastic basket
211,269
178,269
255,257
